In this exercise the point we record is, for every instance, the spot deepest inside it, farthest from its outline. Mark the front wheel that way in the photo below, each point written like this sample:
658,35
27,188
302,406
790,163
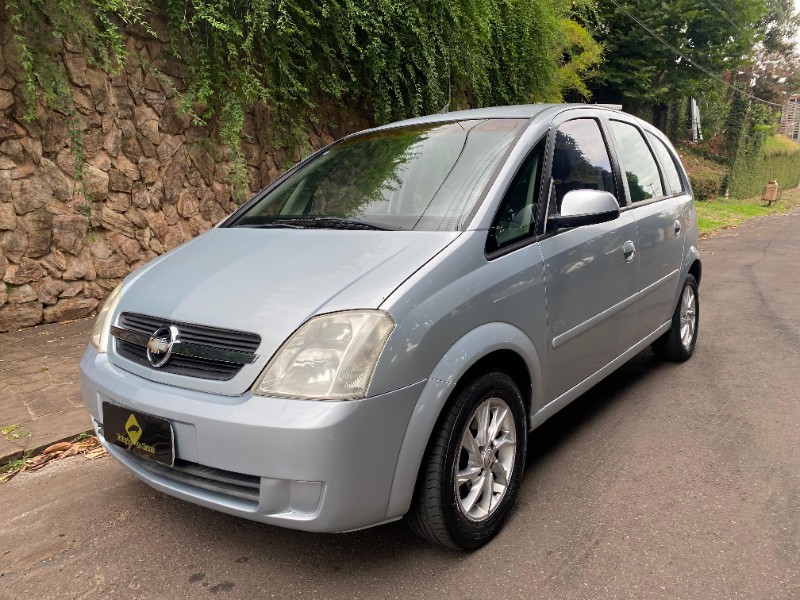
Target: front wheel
472,470
678,343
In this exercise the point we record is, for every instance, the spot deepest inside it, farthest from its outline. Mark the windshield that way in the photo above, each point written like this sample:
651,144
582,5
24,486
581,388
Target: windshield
425,177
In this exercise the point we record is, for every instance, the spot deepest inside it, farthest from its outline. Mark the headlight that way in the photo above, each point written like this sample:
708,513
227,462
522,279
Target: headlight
331,357
99,339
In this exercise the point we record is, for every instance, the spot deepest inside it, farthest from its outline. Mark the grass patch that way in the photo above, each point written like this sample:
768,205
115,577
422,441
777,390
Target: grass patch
729,212
779,144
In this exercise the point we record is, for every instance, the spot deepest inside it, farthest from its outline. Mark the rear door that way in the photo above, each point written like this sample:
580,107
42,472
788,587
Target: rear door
590,273
657,211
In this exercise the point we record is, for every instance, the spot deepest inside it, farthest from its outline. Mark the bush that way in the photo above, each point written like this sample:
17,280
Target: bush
750,175
706,186
705,174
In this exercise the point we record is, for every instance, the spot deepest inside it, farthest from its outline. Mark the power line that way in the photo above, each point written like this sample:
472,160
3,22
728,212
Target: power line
691,61
725,14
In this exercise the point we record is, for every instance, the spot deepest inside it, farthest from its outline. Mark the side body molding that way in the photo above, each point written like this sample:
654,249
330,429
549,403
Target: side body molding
467,351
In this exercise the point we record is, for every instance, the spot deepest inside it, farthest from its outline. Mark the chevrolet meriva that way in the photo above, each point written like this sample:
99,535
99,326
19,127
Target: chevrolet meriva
376,333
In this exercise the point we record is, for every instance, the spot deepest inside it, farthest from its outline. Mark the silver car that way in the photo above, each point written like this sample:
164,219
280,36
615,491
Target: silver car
376,333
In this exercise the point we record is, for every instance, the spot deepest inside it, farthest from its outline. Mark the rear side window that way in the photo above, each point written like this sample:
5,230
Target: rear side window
516,217
580,160
641,170
671,172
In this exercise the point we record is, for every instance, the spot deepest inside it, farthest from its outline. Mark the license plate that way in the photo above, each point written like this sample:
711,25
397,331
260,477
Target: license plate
144,435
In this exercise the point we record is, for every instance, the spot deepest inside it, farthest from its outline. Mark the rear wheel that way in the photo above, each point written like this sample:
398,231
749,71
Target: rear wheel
470,477
678,343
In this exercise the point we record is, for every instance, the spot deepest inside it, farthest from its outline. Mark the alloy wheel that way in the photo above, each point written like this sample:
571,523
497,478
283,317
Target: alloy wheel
688,317
486,459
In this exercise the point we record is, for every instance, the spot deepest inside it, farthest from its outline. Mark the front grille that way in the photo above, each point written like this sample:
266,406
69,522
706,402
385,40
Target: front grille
226,483
190,366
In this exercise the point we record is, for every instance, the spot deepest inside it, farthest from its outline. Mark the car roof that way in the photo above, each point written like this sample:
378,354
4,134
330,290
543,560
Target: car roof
541,112
520,111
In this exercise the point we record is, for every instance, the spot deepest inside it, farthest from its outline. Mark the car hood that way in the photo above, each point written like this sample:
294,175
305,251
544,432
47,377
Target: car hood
270,281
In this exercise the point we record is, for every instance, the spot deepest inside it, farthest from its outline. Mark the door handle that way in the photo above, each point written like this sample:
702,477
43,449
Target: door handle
677,227
629,250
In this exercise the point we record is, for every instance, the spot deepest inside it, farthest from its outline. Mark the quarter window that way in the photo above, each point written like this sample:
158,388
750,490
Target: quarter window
516,217
668,164
641,170
580,160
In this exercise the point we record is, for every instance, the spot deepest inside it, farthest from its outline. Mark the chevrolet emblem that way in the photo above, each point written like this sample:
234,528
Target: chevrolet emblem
160,344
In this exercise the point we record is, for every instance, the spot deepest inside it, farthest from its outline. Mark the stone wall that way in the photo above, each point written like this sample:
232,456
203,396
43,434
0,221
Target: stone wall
153,179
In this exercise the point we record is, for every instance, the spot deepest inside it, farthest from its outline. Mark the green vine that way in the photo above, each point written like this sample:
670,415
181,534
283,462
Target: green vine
93,29
736,127
388,59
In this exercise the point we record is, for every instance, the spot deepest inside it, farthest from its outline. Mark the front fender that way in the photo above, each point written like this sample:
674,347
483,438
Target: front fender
462,355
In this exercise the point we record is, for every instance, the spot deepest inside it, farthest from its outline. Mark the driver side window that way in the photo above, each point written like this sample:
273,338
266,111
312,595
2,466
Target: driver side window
516,217
581,160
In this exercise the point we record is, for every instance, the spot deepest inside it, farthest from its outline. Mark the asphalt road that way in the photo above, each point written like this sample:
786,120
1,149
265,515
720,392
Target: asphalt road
666,481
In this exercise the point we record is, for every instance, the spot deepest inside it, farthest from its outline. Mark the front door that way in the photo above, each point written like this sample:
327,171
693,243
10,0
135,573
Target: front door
590,272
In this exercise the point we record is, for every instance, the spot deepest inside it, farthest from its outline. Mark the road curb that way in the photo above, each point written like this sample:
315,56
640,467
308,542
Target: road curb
12,455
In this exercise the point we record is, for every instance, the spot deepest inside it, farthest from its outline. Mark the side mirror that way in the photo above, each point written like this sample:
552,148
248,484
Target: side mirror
585,207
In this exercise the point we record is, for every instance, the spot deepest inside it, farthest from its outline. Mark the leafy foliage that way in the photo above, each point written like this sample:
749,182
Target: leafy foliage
736,127
393,59
41,30
399,59
584,55
750,182
748,127
778,144
719,36
706,185
705,174
43,27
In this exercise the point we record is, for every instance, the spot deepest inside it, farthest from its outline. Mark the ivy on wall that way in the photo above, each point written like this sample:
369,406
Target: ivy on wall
42,28
387,58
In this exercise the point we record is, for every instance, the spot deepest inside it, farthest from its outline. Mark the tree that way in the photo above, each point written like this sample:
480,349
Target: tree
639,68
776,69
776,75
736,127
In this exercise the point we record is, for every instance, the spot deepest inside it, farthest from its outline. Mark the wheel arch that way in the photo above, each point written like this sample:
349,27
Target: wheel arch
696,270
691,266
499,346
691,263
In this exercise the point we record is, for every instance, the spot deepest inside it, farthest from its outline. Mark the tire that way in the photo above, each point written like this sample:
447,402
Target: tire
461,515
675,345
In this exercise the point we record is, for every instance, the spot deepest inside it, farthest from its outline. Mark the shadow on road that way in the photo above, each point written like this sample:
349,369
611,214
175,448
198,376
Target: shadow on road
557,431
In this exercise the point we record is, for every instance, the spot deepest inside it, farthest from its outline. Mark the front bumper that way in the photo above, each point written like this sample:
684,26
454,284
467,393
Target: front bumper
315,466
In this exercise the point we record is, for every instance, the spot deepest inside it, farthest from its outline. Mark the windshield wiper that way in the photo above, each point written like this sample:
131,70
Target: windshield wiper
328,223
275,225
